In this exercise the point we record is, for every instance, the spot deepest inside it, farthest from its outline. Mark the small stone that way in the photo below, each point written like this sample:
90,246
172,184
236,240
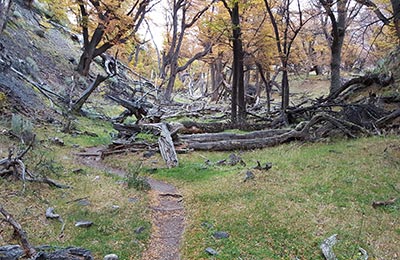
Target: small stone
249,176
149,154
57,141
115,207
211,251
40,33
83,223
133,200
111,257
139,230
83,202
207,225
78,171
220,234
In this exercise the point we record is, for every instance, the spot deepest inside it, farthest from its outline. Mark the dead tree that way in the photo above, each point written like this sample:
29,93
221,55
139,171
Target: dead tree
21,234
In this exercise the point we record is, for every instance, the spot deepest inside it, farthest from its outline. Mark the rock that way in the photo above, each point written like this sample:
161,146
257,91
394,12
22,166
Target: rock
111,257
133,200
83,202
73,61
69,253
83,223
139,230
57,141
220,234
149,154
249,176
207,225
211,251
235,159
11,252
40,33
115,207
50,213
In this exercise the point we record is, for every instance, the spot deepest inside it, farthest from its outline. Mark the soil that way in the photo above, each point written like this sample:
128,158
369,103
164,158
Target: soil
167,211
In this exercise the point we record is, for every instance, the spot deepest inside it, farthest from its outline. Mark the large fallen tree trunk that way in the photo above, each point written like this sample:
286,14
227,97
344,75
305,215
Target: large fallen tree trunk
231,136
190,127
252,141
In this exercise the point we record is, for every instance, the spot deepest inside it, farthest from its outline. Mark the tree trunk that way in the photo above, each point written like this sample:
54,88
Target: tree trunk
396,17
238,91
171,81
5,6
285,89
267,85
338,32
216,76
90,52
76,107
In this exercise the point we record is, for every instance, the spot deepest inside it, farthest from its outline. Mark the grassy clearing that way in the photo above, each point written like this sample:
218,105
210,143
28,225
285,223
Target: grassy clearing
115,209
312,192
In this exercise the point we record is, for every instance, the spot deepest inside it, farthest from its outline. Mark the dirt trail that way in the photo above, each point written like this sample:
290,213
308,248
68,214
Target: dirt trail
167,212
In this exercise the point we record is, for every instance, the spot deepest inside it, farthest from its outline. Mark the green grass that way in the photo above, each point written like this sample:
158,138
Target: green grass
113,228
312,192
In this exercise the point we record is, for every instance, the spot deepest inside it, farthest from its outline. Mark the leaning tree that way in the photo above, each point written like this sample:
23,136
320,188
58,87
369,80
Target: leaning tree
108,23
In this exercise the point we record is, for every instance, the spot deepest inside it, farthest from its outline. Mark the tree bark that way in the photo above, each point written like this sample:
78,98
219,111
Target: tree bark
338,33
77,106
396,17
238,101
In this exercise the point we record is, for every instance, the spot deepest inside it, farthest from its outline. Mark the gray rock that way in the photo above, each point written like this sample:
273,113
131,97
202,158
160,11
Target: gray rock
83,202
149,154
83,223
50,213
139,230
220,234
40,33
211,251
133,200
207,225
111,257
11,252
249,176
70,253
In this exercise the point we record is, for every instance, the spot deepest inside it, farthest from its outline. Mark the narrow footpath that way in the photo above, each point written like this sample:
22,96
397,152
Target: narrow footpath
167,211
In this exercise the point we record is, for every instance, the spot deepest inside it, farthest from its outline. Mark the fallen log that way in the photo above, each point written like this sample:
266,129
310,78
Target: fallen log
191,127
247,144
230,136
136,107
366,80
388,119
166,145
302,132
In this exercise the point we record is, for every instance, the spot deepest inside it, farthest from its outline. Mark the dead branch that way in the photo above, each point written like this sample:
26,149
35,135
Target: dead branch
387,119
28,248
391,201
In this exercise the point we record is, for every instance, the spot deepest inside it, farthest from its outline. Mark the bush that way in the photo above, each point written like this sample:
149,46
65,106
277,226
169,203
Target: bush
135,181
22,127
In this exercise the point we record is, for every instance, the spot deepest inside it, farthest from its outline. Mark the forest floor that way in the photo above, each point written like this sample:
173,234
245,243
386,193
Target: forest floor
312,191
165,204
